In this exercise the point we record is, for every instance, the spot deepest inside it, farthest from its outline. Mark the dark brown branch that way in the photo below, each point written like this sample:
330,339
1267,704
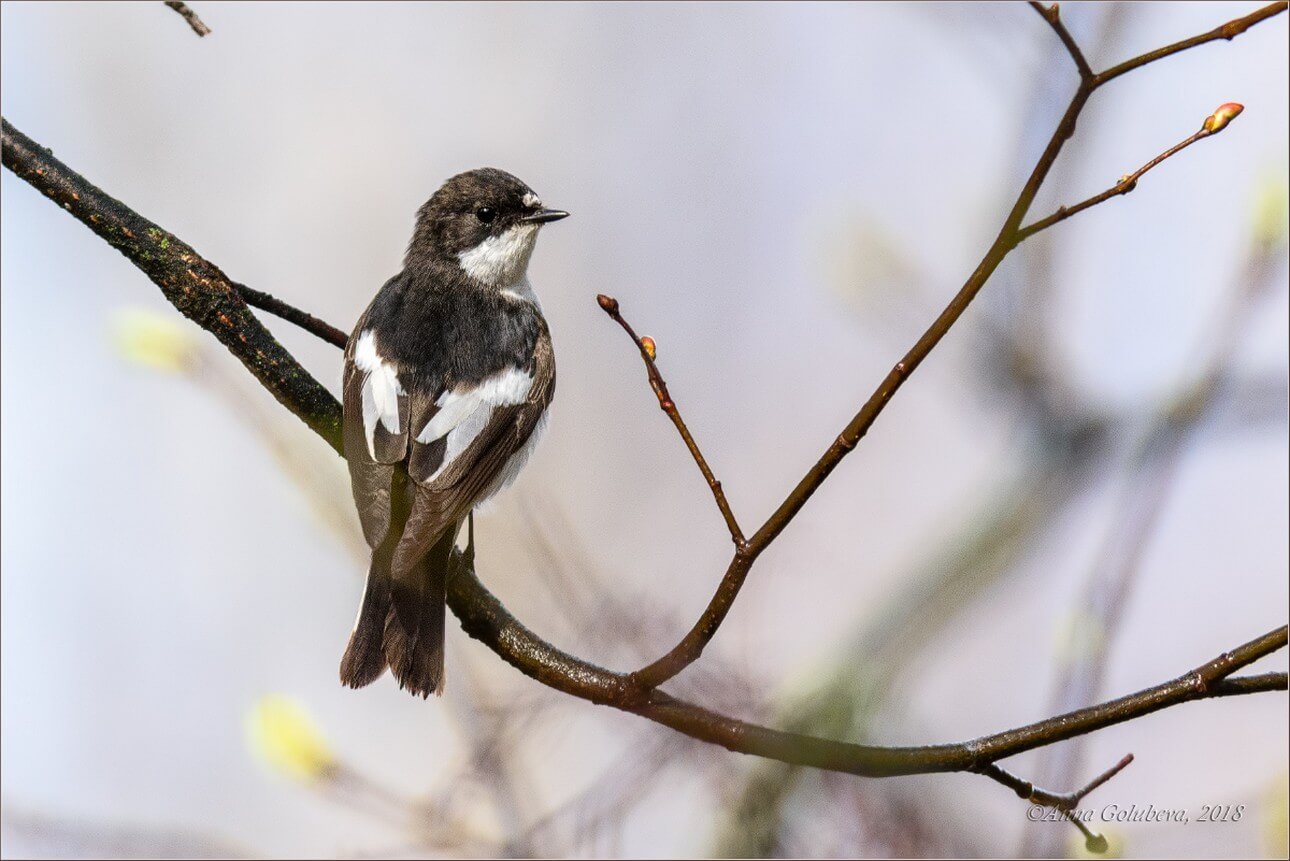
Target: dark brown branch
1228,31
1052,14
303,319
484,618
610,306
190,16
691,646
191,283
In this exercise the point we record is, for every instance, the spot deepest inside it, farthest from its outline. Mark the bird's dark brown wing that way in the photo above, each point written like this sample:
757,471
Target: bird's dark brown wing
375,432
454,475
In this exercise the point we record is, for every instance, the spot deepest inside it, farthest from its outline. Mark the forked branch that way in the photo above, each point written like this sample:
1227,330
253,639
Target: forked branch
1010,235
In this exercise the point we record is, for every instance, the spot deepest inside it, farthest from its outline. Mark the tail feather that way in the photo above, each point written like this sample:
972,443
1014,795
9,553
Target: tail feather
364,659
414,626
414,630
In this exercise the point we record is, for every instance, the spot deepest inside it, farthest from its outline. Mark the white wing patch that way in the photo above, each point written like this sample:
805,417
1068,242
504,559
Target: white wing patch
463,414
381,390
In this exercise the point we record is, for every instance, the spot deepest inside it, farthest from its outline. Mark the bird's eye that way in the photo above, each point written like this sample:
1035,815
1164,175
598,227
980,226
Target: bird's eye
486,214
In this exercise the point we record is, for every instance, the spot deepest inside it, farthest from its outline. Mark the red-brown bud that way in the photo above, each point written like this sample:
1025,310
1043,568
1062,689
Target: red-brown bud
1224,114
609,303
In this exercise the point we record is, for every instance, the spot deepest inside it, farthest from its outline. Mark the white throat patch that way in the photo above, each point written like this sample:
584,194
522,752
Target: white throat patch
500,261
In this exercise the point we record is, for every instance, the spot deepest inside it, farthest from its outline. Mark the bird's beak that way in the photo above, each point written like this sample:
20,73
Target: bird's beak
542,216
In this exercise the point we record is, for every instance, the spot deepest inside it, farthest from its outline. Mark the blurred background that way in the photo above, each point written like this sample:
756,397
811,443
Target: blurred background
1081,493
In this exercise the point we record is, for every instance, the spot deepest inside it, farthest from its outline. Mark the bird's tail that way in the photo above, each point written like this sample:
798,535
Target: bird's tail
401,622
414,625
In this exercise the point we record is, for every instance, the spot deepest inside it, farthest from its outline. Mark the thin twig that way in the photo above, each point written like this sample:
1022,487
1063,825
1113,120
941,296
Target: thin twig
1126,184
1052,14
199,27
1064,803
1227,31
610,306
303,319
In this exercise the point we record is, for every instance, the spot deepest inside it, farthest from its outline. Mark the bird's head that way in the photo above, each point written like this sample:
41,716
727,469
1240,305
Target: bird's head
485,221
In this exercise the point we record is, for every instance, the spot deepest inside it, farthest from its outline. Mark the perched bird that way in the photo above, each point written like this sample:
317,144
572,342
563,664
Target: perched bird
448,376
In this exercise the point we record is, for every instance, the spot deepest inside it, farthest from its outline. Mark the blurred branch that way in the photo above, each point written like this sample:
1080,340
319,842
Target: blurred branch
26,833
1147,488
190,16
643,764
691,646
1255,400
199,290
